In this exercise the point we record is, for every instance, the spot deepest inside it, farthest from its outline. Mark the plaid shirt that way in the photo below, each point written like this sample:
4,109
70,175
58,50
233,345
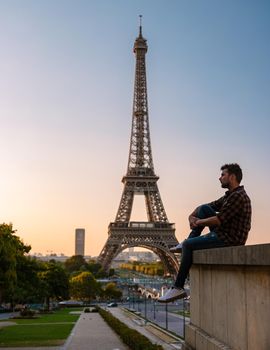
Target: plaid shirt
234,213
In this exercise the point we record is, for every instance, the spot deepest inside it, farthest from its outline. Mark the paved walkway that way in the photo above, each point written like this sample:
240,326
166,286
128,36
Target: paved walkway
91,333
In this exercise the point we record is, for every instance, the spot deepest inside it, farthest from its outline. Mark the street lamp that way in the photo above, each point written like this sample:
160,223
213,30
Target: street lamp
145,306
166,314
129,297
184,313
139,301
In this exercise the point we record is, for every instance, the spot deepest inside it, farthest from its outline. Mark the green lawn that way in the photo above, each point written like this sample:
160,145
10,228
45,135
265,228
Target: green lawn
50,330
59,316
186,313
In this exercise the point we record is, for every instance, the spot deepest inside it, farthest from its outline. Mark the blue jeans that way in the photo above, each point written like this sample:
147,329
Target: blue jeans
197,242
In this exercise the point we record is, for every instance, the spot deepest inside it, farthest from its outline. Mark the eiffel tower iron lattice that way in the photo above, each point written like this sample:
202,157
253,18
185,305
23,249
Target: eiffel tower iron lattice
157,234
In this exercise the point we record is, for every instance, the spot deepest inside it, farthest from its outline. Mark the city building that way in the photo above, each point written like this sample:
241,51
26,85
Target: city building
50,256
79,241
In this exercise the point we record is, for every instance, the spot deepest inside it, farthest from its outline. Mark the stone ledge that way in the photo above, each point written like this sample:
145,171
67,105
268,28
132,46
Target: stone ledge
198,339
256,255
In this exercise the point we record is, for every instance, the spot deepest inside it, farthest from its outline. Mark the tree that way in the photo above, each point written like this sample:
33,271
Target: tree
112,292
84,286
11,248
75,263
96,269
55,282
111,272
29,287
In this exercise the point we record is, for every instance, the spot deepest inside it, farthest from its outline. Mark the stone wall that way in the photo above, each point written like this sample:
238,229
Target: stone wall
230,299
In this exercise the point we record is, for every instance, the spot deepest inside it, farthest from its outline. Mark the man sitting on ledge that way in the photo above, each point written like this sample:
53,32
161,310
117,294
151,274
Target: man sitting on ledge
228,219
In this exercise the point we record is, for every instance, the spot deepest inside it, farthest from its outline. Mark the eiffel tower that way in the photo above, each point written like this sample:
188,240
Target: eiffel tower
157,234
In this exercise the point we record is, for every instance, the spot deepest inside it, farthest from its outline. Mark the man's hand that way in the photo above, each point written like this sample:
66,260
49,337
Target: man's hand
193,221
212,221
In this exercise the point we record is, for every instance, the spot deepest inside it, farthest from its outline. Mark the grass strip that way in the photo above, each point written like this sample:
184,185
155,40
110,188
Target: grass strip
46,330
182,313
131,337
49,318
25,335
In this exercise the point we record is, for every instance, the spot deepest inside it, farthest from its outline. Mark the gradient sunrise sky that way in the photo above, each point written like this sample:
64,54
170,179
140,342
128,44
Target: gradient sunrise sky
66,90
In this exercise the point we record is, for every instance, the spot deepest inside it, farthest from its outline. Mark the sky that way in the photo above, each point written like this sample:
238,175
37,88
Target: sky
66,90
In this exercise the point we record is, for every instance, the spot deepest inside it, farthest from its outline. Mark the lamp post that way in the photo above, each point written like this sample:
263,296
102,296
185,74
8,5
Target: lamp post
184,313
145,306
166,314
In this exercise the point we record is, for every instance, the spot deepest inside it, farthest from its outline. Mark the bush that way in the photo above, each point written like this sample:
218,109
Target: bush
86,309
27,313
131,337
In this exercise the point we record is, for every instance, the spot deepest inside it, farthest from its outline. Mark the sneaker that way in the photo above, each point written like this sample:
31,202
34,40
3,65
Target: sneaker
172,294
177,248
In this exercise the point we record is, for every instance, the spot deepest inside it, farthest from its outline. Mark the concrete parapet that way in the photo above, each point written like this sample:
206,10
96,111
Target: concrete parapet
230,299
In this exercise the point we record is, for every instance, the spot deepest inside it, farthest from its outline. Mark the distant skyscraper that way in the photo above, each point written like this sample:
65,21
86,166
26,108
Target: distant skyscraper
79,241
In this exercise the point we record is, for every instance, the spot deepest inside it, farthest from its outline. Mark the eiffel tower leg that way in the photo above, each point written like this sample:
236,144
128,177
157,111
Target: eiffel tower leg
169,261
108,253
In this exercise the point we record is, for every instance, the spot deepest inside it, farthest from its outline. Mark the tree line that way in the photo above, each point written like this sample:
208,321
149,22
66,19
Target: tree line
152,269
25,279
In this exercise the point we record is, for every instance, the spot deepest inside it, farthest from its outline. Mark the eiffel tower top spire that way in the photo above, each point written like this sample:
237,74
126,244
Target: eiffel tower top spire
140,42
140,25
140,154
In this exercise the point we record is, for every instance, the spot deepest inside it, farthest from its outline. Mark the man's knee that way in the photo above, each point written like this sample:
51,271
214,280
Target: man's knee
205,211
191,244
186,244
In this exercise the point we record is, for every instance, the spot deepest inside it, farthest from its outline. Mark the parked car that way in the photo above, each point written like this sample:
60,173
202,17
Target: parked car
70,303
112,305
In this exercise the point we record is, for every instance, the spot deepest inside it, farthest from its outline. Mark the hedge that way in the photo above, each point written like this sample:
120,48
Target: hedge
131,337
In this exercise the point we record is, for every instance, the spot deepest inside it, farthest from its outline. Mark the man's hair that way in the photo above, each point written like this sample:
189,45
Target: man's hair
235,169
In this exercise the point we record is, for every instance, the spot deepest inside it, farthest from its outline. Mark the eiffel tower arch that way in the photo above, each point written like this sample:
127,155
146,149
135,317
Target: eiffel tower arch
157,234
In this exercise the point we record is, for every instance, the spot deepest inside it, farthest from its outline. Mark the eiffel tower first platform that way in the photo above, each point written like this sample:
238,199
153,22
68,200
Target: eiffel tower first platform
157,234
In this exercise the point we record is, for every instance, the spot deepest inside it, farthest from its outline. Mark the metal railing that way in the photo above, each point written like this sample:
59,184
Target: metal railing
169,316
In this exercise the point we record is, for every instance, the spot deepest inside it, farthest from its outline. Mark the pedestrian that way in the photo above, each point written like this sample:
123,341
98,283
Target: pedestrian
228,220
